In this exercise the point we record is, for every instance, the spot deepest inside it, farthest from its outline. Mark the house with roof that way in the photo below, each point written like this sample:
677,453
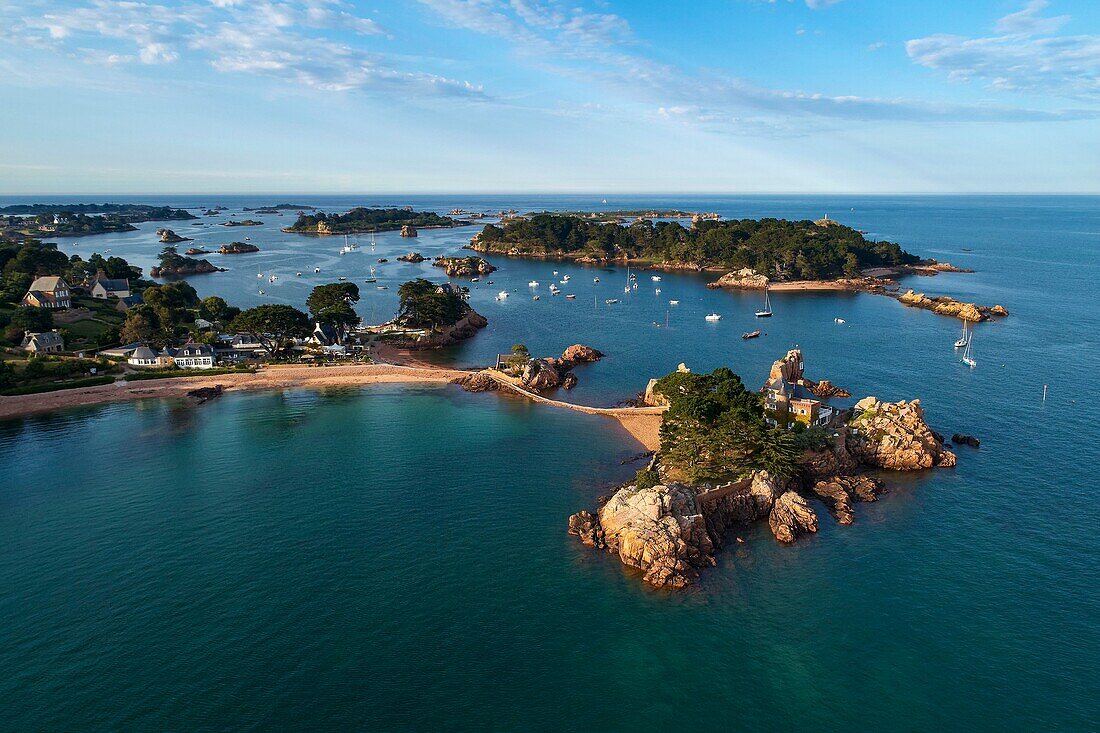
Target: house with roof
104,287
47,342
326,334
193,356
143,356
119,352
788,398
128,302
48,291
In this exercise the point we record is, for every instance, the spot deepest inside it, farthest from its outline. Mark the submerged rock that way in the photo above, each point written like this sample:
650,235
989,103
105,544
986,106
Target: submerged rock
840,492
963,439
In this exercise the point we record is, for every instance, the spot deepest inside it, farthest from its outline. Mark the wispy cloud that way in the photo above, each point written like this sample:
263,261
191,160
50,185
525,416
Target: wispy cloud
318,43
1026,56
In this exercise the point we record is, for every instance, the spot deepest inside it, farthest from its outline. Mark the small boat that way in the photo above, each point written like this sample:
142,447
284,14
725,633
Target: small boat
259,274
611,301
751,335
713,317
626,289
595,279
383,287
555,273
674,302
571,297
343,278
372,278
261,292
382,259
316,269
967,358
565,278
657,291
272,279
535,298
533,284
475,279
964,340
297,274
656,278
502,295
838,321
554,289
247,238
766,313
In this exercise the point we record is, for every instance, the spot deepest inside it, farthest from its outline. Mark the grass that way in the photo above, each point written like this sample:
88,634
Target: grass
56,386
171,373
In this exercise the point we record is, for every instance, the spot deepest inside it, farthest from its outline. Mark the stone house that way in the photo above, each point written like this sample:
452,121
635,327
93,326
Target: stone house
49,291
47,342
104,287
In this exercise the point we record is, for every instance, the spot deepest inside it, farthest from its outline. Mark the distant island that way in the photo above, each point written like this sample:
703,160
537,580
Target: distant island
75,220
277,207
785,250
360,220
242,223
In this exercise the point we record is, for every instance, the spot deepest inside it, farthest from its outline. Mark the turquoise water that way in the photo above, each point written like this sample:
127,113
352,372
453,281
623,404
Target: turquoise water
395,558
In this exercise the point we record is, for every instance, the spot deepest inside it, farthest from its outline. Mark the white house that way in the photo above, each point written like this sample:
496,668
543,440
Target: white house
48,342
143,356
104,287
194,356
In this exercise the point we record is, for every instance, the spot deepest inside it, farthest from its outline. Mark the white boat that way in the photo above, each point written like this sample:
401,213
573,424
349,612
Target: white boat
259,274
626,289
383,287
261,292
316,269
657,291
271,279
554,289
343,278
571,297
533,284
535,298
502,295
297,274
967,358
674,302
767,306
611,301
838,321
475,279
595,279
555,273
964,340
714,317
372,278
565,278
656,278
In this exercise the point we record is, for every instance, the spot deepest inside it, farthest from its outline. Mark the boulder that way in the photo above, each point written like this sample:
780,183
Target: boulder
569,381
540,374
477,382
840,492
658,530
791,516
999,310
412,257
963,439
586,525
464,266
894,435
408,231
580,354
743,279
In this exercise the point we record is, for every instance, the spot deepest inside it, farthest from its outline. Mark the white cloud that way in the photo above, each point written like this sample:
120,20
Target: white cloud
818,4
310,42
1028,56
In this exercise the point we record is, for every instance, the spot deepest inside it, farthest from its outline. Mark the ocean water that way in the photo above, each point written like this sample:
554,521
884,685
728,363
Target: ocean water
395,558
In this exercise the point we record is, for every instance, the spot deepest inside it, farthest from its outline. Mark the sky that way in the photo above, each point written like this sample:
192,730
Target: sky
611,96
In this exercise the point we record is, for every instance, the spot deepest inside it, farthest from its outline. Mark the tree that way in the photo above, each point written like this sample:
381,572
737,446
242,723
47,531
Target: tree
274,326
171,302
333,304
144,326
32,319
216,310
519,358
423,303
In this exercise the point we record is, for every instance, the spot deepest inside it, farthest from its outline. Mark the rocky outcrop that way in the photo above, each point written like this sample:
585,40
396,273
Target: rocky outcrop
237,248
413,257
464,328
167,236
671,531
832,461
569,381
580,354
947,306
196,251
541,374
790,517
790,369
743,279
205,394
408,231
840,492
894,435
464,266
658,530
963,439
652,397
477,382
826,389
193,267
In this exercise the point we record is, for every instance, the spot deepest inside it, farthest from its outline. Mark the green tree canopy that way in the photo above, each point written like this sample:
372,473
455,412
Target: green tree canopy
333,304
32,319
422,303
274,326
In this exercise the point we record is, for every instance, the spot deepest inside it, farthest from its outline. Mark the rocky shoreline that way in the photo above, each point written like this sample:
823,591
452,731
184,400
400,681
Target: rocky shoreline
670,530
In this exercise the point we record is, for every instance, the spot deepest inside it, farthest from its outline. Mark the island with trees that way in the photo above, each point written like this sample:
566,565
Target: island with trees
432,315
242,223
237,248
76,220
173,264
361,220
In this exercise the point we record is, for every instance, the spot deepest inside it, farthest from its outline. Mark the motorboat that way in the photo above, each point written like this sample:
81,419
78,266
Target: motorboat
713,317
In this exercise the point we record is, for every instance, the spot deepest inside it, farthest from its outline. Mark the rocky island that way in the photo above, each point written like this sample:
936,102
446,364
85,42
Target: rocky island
727,459
242,223
464,266
431,315
173,264
361,220
533,374
167,236
413,257
237,248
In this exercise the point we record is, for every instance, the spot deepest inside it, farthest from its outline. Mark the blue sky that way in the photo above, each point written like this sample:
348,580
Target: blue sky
165,96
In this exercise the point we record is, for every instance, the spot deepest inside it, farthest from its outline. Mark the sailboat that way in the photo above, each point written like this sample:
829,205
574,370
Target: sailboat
967,358
766,313
964,340
372,278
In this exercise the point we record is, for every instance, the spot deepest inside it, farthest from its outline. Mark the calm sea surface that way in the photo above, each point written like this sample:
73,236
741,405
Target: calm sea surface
395,558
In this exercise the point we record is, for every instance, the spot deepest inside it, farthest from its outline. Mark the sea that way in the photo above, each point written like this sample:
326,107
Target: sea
394,558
